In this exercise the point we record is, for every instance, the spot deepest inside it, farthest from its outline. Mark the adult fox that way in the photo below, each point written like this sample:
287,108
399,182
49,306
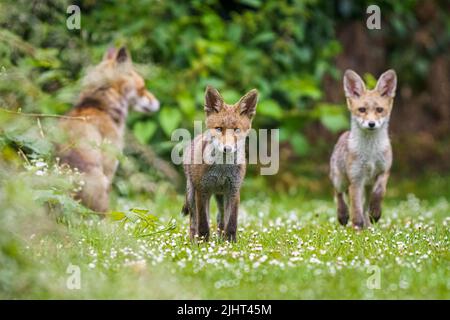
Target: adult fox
92,145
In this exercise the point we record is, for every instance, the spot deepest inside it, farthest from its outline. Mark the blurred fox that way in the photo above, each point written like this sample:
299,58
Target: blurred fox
206,172
92,145
362,157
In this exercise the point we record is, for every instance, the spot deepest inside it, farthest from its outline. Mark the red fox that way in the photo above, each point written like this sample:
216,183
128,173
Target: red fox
206,175
109,90
362,157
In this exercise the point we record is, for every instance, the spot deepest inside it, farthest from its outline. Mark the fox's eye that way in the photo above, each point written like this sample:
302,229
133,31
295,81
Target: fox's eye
218,129
362,110
379,110
237,130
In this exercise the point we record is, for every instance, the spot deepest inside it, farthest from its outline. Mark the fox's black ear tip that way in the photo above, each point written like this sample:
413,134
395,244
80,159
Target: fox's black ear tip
211,89
122,54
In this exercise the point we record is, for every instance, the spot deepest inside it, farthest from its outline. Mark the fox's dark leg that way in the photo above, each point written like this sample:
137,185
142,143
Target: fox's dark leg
377,195
191,209
231,216
342,209
220,214
356,205
202,211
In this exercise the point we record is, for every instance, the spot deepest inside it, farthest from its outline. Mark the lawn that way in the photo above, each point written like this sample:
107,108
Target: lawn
287,248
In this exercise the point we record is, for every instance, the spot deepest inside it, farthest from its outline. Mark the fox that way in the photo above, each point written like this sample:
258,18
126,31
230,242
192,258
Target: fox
362,158
94,129
227,126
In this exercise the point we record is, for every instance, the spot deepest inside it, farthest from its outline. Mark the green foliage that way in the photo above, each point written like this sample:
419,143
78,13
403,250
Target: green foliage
143,224
282,49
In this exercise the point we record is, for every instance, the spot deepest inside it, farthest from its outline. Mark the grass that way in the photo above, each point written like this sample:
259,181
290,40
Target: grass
287,248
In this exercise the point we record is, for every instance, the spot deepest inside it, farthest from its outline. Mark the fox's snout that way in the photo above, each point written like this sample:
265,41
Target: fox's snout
147,103
225,142
370,124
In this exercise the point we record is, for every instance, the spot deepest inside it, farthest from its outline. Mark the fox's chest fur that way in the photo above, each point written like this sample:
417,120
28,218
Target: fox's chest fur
215,178
221,178
369,155
360,157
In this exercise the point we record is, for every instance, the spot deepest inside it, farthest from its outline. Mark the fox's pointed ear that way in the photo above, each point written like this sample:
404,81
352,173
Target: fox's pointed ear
123,55
247,104
387,84
110,53
213,100
354,86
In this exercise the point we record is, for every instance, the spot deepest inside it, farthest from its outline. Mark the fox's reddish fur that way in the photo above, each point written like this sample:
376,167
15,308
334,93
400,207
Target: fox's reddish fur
92,145
227,127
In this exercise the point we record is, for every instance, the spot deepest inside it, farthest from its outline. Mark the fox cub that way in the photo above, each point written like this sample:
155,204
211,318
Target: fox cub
92,145
362,157
208,173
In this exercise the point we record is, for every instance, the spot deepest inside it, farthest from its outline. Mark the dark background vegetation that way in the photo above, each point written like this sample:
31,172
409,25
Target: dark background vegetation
294,52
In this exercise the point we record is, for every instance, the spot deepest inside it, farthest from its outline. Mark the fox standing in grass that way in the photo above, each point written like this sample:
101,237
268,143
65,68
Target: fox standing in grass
362,157
206,172
92,145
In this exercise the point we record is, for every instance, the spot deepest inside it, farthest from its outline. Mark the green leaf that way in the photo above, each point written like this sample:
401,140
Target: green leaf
169,119
370,81
144,131
299,87
117,215
139,211
300,144
270,108
230,96
186,103
334,122
252,3
333,117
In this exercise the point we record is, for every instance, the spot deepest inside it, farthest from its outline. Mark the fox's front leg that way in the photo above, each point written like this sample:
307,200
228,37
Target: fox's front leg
202,213
220,215
231,216
376,198
356,191
342,209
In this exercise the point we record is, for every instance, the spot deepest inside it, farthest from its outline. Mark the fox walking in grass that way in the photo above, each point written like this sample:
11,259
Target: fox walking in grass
208,173
362,157
92,145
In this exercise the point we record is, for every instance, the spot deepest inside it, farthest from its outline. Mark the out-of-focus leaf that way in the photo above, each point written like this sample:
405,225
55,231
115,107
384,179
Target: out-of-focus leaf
144,131
333,117
300,144
370,81
169,119
270,108
186,103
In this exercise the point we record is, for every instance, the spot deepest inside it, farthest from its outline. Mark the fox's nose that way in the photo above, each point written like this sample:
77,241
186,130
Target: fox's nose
371,124
227,149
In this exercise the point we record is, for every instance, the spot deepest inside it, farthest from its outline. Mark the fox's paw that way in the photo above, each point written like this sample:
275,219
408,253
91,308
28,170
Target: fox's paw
230,236
360,223
375,212
342,214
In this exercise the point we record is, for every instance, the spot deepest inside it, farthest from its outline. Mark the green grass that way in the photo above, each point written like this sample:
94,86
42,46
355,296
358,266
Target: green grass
288,248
